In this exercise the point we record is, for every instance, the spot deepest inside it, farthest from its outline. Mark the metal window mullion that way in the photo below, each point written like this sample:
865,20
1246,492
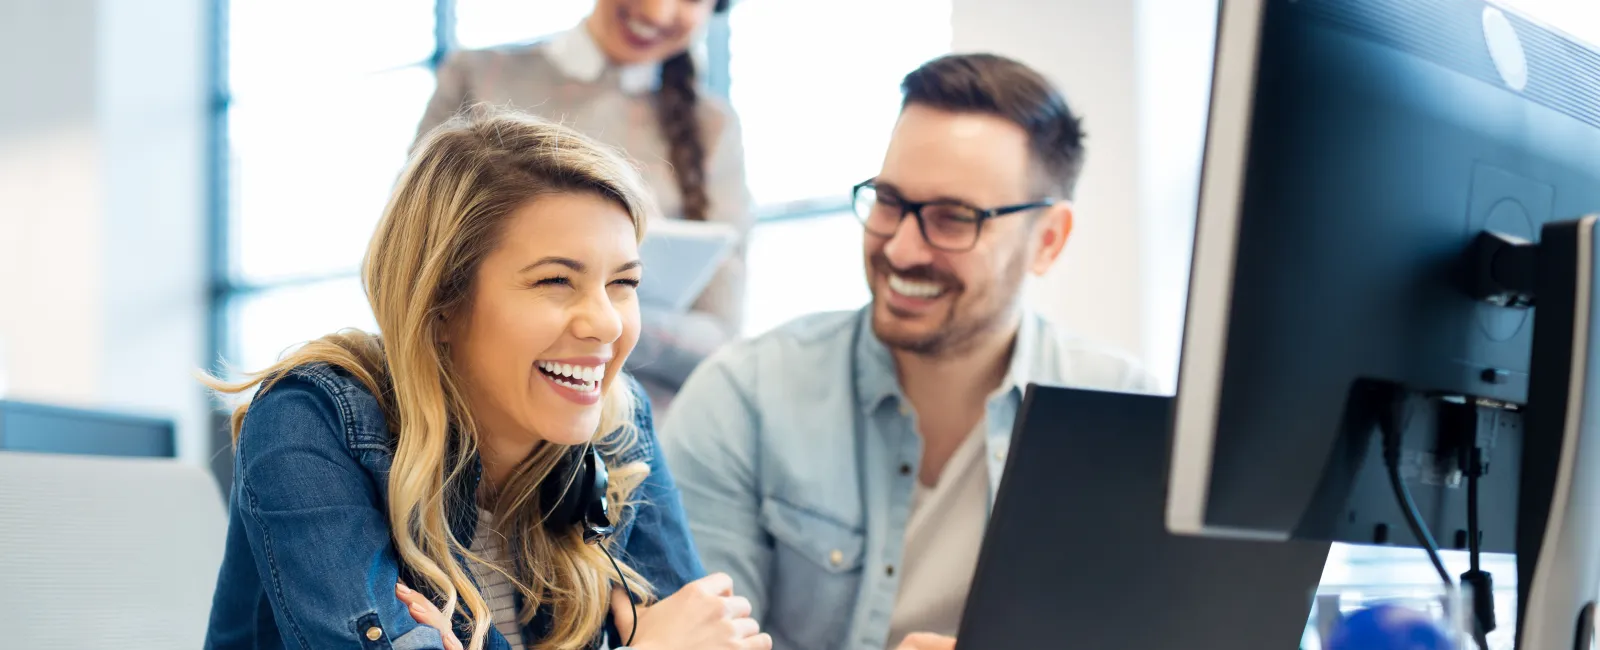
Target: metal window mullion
444,31
218,258
719,80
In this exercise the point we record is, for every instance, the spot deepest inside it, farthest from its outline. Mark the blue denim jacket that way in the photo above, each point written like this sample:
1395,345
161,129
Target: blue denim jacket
309,561
796,452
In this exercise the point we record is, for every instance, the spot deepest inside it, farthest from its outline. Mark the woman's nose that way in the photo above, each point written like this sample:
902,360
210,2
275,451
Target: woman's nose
597,318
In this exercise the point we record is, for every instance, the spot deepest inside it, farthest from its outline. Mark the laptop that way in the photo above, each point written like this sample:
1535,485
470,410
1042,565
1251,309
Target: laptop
1077,555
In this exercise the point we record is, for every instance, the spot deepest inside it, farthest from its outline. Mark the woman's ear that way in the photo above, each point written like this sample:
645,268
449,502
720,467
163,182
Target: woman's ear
1051,231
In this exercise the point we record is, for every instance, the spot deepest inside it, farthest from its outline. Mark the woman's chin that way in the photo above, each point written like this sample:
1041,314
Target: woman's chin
570,432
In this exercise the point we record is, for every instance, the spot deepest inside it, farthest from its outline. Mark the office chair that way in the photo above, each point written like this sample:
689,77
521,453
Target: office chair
104,552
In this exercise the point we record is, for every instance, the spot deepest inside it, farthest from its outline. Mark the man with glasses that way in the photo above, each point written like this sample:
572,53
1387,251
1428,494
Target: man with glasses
841,467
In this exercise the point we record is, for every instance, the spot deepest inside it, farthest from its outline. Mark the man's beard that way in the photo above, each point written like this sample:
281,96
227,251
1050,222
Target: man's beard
959,331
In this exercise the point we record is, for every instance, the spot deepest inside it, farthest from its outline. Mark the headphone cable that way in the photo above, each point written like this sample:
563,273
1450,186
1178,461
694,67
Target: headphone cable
626,591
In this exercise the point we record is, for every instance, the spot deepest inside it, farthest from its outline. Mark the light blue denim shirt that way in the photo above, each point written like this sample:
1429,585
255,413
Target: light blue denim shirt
796,455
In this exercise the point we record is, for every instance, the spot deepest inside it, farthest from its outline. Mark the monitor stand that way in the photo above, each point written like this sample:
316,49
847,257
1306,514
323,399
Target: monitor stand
1558,513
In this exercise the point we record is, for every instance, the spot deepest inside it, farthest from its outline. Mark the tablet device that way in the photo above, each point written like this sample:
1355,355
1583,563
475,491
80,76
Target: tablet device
680,258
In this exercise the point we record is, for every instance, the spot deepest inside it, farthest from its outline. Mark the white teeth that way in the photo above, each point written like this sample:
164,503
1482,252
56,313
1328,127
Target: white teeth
585,378
643,31
914,289
583,387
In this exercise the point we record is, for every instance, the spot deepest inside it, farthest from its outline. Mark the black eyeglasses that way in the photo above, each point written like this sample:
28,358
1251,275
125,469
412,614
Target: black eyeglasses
946,225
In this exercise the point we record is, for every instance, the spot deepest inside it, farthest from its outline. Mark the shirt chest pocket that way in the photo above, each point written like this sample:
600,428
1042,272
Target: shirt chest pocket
816,575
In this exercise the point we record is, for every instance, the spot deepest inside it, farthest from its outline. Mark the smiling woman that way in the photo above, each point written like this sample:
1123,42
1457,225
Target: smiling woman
445,484
627,75
571,308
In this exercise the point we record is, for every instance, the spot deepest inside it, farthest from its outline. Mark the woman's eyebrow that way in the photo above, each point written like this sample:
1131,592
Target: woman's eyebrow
568,262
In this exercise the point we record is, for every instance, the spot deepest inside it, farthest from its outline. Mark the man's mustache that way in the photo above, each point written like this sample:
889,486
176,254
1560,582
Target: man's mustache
921,272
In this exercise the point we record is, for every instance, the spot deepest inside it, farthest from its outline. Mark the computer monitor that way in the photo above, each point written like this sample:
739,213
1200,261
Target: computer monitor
46,428
1356,150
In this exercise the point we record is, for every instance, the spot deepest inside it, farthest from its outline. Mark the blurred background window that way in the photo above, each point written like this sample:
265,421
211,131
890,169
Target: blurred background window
317,111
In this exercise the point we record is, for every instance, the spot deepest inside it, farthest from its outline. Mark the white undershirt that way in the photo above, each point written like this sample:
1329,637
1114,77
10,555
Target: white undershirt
495,588
941,546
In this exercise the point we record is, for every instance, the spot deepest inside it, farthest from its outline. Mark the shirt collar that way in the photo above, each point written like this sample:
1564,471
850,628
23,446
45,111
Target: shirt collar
575,53
878,381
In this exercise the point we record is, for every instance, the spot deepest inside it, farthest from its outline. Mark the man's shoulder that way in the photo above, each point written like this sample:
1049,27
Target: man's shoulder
1066,358
789,374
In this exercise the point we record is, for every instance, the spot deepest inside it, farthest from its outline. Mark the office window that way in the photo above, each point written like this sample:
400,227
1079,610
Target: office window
318,106
317,109
316,134
487,23
803,266
270,321
817,85
817,88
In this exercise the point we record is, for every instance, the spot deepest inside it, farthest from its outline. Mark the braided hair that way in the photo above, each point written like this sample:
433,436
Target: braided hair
676,102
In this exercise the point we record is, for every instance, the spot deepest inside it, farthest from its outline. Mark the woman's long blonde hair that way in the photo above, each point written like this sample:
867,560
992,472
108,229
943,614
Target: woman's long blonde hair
445,216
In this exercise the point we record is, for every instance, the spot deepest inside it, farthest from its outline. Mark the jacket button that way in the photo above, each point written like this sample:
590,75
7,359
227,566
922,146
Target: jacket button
836,557
374,633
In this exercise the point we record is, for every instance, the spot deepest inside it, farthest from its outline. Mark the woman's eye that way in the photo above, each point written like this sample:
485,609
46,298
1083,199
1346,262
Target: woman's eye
555,281
627,282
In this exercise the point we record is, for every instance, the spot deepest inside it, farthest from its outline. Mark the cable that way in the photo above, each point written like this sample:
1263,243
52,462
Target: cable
1389,424
1482,582
1473,531
627,592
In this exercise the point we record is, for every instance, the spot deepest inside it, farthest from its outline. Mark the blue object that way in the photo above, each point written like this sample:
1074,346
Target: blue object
43,428
1389,627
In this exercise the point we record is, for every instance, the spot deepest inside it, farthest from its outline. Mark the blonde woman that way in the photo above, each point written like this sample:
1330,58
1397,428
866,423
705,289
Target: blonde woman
481,475
626,77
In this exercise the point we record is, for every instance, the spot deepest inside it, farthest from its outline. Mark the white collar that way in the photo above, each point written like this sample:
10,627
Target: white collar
576,55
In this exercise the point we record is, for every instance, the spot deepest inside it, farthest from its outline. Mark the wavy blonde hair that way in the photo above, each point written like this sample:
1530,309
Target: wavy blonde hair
446,214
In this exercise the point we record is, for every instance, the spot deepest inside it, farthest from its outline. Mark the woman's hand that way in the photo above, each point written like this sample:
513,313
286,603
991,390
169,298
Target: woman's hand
925,641
703,615
426,613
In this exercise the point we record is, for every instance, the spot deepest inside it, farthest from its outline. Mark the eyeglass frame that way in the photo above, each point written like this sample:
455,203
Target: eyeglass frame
914,208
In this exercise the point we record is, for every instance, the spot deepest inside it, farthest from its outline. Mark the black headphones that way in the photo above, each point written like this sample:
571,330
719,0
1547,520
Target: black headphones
575,495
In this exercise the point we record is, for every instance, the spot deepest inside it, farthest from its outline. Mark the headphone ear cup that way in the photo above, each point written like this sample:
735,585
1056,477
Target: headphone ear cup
596,508
575,495
558,495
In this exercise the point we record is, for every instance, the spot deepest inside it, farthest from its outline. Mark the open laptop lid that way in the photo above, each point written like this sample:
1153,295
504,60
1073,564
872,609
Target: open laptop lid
1077,553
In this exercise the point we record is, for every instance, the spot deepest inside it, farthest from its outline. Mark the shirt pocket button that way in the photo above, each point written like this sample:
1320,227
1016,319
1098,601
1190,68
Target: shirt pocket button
374,633
836,557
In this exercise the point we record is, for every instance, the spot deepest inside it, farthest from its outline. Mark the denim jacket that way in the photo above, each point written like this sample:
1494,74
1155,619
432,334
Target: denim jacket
797,451
309,561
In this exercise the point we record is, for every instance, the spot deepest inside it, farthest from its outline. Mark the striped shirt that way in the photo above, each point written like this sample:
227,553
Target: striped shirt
490,545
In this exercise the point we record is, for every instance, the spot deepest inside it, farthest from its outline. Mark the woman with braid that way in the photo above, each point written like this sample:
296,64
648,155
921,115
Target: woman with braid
625,77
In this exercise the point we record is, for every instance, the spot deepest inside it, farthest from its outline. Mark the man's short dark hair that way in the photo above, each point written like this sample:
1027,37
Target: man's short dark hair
996,85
